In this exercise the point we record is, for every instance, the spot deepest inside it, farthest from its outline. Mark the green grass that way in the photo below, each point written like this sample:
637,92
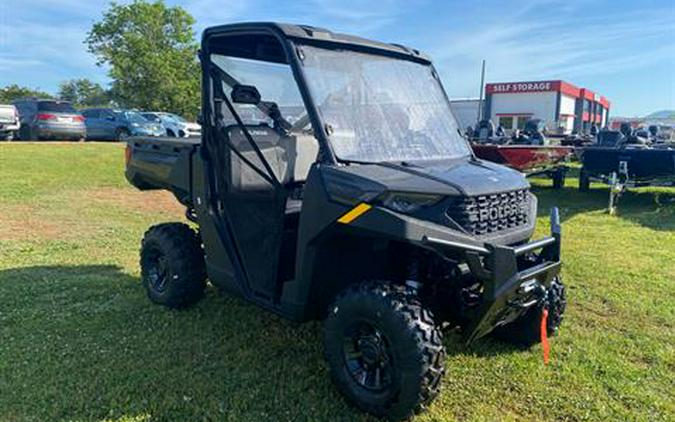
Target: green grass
80,342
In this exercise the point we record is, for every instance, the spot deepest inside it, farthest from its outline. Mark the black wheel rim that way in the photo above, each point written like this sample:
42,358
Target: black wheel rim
157,272
367,357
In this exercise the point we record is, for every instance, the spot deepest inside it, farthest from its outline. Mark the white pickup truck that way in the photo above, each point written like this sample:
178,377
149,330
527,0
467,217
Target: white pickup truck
9,122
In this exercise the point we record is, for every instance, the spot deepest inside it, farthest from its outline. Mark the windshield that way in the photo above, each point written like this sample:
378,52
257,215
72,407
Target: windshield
56,106
151,117
175,118
381,109
135,117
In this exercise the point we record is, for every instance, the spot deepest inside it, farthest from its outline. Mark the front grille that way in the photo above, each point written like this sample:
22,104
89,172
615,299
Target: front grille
485,214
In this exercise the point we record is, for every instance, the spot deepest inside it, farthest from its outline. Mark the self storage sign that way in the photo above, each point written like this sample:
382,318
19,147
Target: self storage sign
521,87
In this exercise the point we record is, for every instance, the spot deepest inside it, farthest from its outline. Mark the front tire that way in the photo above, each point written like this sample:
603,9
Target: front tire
525,330
384,351
172,265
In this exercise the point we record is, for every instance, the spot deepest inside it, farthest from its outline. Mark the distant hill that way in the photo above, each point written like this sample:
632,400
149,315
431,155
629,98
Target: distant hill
663,114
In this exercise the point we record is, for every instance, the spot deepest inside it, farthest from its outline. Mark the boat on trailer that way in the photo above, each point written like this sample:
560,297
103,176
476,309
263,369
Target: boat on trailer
529,151
624,160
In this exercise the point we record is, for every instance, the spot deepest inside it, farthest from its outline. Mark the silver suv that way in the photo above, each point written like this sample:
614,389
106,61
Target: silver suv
49,119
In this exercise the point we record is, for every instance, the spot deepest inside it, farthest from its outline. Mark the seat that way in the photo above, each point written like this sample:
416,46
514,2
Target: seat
289,157
272,147
306,152
302,153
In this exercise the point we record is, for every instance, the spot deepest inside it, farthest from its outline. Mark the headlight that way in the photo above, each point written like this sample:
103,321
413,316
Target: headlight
407,202
135,125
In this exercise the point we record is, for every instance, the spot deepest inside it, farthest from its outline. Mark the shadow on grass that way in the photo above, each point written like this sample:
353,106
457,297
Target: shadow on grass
84,343
483,347
651,209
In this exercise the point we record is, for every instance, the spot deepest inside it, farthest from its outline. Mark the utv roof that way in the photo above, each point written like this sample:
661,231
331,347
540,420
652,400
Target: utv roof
321,36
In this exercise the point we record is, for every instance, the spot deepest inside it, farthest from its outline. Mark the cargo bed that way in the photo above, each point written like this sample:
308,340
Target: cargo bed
161,163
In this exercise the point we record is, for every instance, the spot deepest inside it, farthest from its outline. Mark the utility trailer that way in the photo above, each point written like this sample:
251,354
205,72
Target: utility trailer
622,163
331,183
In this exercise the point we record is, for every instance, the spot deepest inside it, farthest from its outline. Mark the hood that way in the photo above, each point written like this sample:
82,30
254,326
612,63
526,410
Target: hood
192,126
459,177
148,126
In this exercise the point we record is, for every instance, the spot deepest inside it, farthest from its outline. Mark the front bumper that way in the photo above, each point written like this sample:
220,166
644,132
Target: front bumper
193,133
515,279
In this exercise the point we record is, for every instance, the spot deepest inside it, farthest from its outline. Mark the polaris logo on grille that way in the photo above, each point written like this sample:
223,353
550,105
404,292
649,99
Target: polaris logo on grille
497,212
492,213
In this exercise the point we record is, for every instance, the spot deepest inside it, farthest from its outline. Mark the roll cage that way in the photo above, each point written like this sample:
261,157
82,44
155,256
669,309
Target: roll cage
291,38
275,43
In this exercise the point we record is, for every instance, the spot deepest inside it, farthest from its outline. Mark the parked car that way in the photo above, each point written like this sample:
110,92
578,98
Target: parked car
175,125
114,124
49,119
9,122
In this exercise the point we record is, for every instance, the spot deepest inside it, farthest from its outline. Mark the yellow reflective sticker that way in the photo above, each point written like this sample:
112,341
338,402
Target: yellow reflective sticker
354,213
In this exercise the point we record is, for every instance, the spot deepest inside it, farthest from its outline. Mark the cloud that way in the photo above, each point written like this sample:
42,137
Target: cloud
41,41
359,16
566,44
10,63
42,45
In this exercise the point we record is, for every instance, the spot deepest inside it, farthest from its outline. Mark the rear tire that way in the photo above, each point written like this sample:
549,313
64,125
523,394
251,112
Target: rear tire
172,265
525,331
584,181
122,135
384,351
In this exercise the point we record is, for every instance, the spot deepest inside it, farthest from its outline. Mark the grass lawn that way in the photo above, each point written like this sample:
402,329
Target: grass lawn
79,341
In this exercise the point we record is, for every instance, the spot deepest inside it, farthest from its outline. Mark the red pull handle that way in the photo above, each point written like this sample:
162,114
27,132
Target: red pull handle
543,332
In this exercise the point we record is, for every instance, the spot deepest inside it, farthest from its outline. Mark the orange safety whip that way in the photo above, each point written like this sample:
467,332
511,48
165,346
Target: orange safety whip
544,335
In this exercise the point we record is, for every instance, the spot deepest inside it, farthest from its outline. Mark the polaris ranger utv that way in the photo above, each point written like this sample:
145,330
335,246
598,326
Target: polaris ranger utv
331,183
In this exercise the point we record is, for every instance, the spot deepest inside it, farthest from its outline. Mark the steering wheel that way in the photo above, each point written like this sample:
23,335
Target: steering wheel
300,123
304,119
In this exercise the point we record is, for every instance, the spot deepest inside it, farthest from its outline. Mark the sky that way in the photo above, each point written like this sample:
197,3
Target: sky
624,50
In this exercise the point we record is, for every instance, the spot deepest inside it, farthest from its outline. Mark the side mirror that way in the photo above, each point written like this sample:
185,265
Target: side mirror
245,94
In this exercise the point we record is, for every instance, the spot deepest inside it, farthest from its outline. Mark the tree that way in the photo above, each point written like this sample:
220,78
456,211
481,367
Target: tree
83,93
152,54
14,92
